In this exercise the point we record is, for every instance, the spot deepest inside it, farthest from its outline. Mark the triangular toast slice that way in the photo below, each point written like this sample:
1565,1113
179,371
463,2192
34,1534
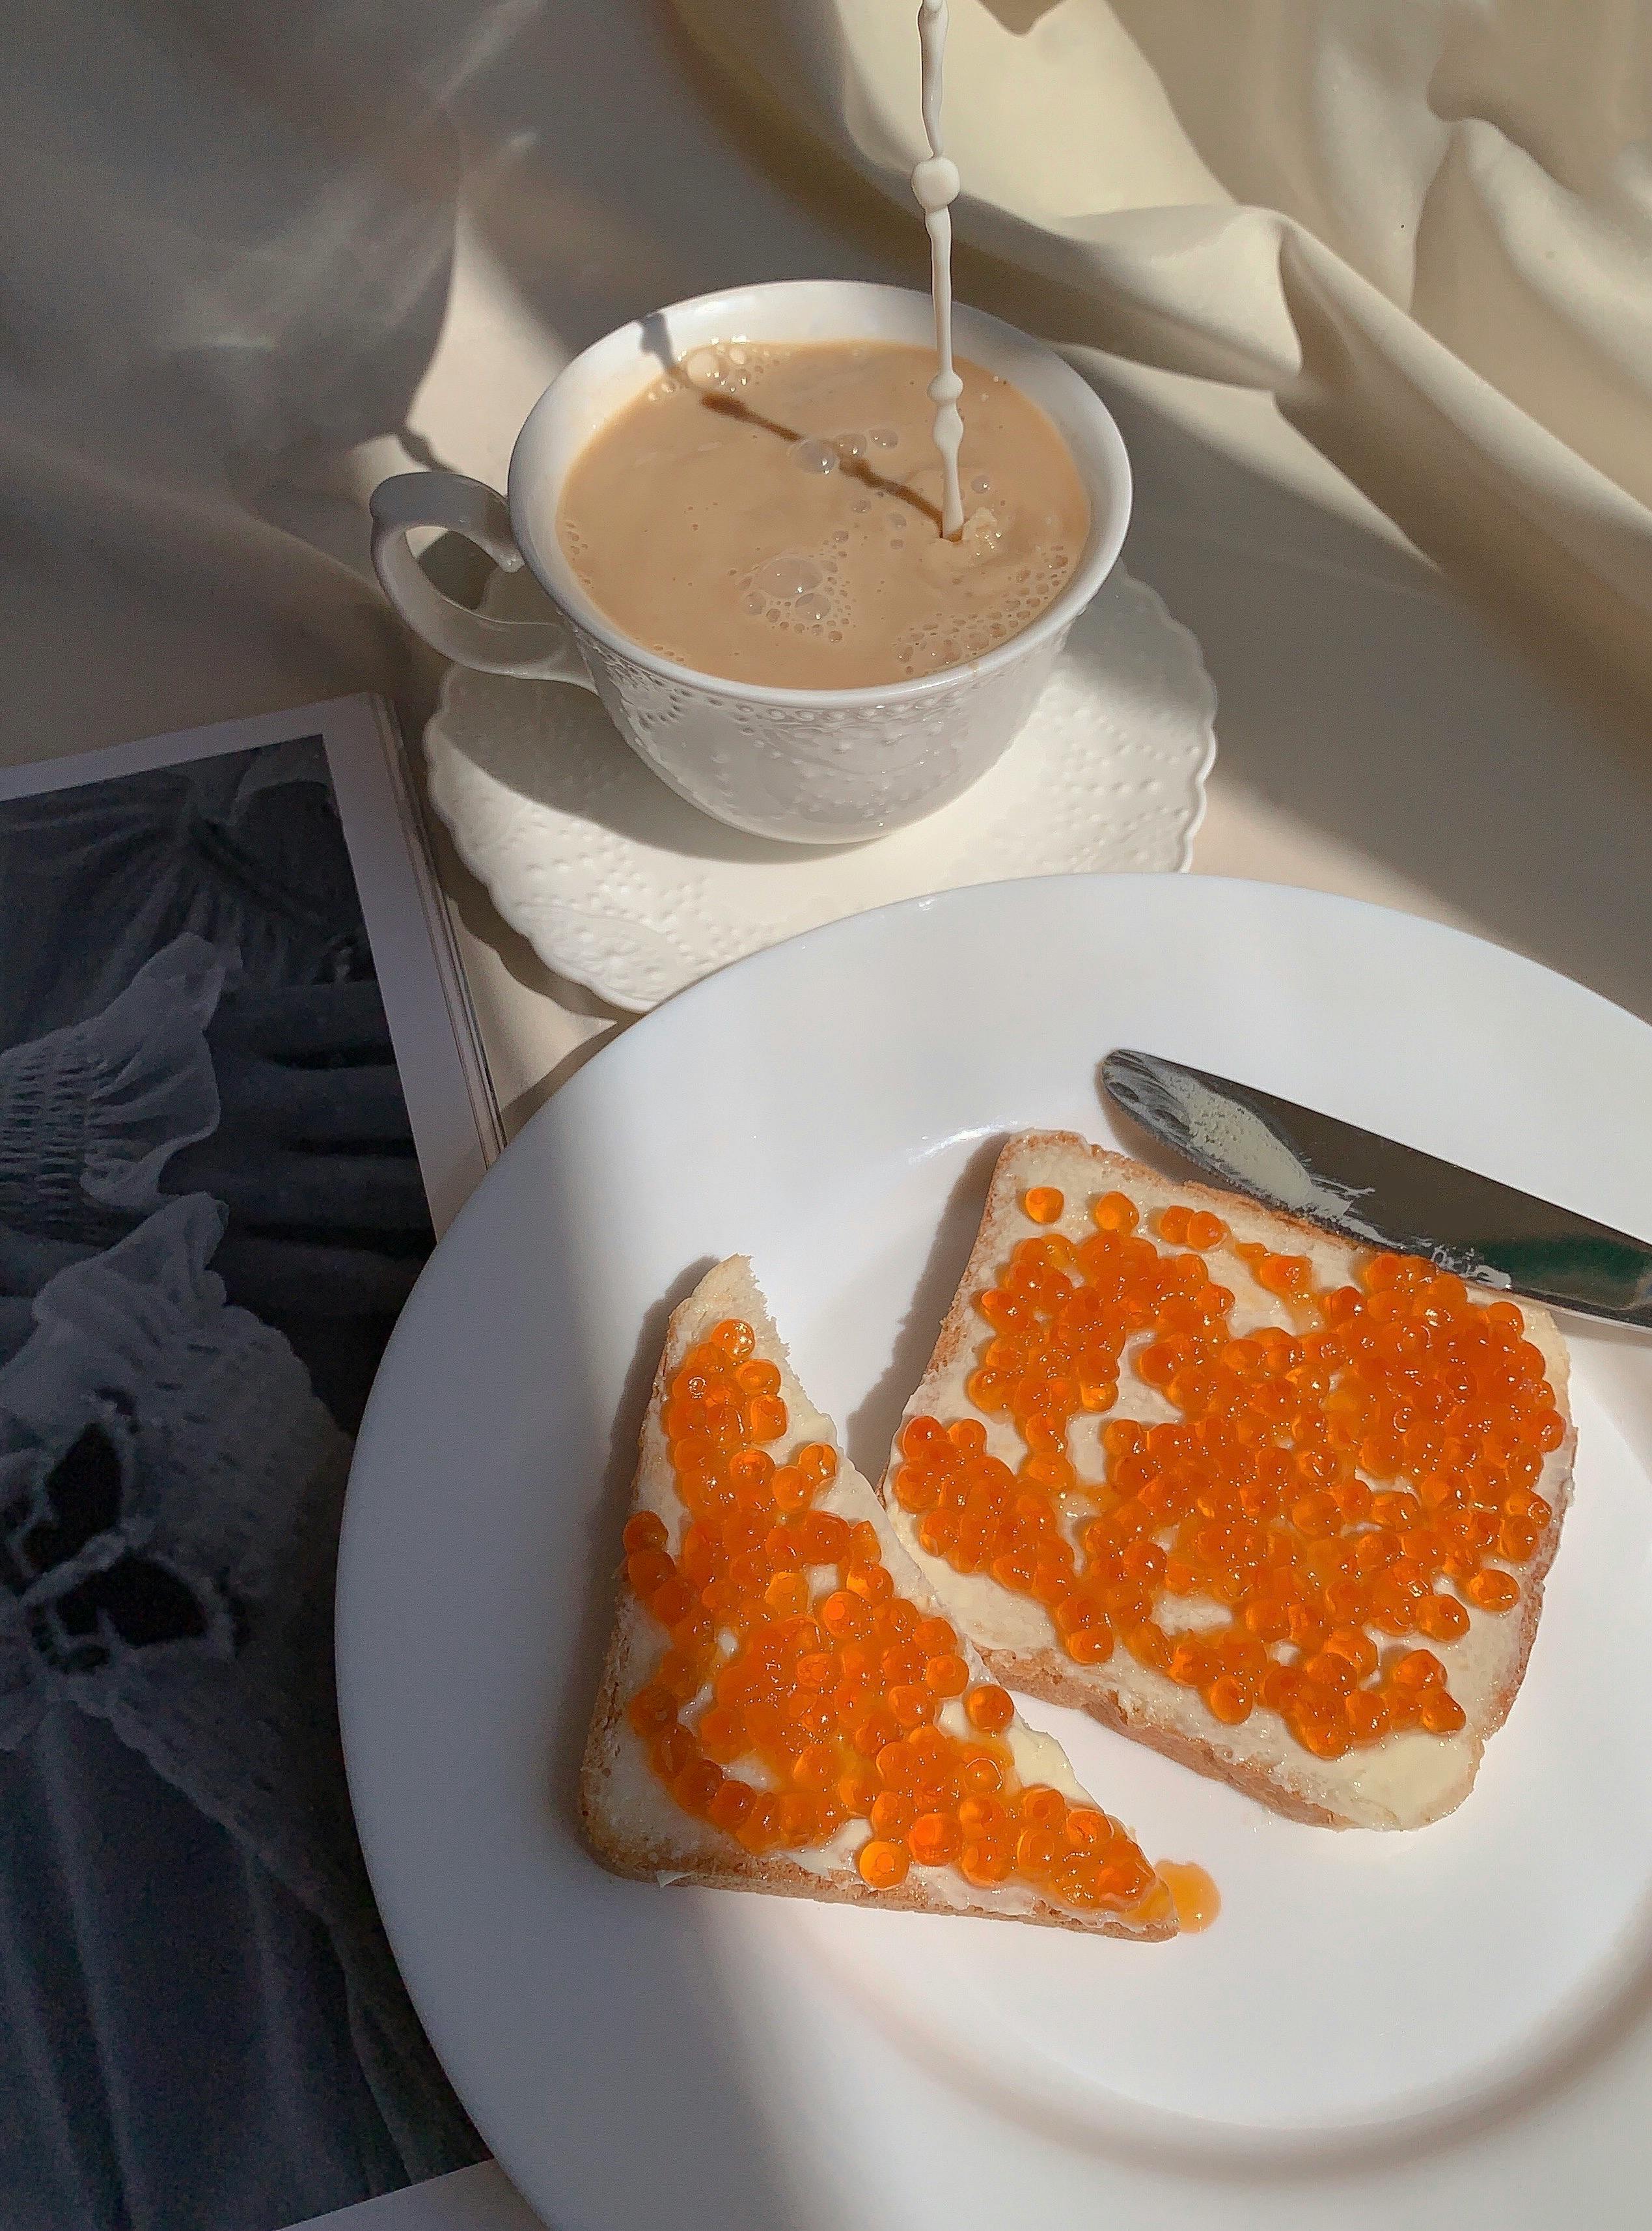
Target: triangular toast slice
1279,1508
785,1706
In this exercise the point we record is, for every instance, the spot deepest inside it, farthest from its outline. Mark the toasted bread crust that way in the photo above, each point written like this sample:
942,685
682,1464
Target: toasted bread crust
1115,1694
680,1849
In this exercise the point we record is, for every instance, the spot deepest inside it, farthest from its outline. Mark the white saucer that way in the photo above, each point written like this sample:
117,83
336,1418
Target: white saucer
619,885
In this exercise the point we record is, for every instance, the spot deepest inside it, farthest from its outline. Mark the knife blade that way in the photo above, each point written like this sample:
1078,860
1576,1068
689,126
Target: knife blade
1378,1192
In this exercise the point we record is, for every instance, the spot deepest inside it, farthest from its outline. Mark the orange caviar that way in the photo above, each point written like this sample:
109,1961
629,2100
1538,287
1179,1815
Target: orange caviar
789,1652
1338,1494
1195,1897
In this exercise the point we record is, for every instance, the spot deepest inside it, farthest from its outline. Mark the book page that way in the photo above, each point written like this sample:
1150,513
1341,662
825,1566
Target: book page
240,1095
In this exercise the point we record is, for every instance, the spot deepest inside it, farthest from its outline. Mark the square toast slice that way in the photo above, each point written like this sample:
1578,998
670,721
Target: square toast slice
1403,1778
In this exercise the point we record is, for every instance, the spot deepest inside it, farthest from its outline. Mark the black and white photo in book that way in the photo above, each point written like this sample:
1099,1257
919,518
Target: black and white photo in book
231,1030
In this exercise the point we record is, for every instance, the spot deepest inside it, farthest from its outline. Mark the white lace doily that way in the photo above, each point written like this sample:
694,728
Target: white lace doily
615,881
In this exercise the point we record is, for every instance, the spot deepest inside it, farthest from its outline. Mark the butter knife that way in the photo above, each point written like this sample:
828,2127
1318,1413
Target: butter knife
1374,1191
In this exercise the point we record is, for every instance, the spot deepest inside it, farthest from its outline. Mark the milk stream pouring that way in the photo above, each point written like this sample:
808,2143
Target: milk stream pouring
935,183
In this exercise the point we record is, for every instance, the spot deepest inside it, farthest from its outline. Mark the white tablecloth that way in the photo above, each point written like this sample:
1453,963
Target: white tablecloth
482,2199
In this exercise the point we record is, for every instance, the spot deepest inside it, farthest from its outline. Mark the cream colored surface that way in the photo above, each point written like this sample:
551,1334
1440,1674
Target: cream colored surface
1401,1782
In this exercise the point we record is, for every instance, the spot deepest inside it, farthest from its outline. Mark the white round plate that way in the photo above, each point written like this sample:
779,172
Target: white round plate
617,883
1452,2027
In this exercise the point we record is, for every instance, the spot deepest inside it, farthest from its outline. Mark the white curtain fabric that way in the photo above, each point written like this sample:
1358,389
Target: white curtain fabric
225,242
1425,225
226,259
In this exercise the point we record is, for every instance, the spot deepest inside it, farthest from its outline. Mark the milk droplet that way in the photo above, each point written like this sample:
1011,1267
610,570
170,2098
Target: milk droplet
935,182
787,577
885,437
811,456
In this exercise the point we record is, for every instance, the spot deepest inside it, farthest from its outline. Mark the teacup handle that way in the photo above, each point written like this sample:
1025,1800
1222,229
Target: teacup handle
537,650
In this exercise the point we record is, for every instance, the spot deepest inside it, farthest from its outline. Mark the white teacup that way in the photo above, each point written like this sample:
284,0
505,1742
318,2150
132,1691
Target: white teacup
815,766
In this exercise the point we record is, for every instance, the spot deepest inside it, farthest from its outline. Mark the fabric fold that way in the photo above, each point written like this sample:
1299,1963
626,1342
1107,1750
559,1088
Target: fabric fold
169,1495
1425,230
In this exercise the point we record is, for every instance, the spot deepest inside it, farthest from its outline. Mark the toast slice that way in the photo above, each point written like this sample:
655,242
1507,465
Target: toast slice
1407,1544
642,1820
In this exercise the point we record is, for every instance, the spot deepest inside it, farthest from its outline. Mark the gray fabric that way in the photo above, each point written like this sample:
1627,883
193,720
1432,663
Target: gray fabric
96,882
90,1114
170,1490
